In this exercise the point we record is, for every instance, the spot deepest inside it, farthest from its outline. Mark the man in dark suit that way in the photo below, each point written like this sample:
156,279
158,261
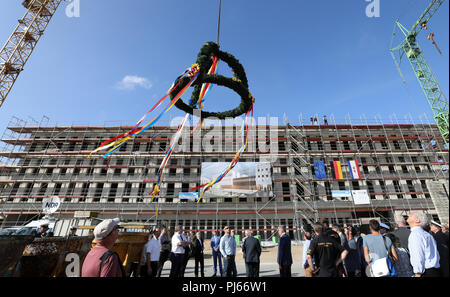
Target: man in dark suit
197,250
442,247
252,251
284,253
217,256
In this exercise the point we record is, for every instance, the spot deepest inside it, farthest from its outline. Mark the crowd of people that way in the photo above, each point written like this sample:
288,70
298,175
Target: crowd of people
101,261
328,251
388,251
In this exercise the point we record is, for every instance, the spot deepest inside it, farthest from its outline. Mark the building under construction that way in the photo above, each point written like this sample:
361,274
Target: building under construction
401,164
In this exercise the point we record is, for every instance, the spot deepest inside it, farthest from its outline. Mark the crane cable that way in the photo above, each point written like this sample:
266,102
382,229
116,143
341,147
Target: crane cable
201,102
211,71
218,22
245,128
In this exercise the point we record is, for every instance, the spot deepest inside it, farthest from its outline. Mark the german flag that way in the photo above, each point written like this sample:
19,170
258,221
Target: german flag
337,170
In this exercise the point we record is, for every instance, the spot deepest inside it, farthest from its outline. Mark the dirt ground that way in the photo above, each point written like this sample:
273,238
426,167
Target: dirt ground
268,255
268,262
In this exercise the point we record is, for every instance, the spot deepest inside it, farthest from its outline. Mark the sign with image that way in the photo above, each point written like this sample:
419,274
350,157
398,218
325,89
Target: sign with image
360,197
246,179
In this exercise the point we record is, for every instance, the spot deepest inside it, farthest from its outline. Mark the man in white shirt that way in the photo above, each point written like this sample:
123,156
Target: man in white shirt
144,263
153,253
422,247
177,254
306,244
150,255
227,248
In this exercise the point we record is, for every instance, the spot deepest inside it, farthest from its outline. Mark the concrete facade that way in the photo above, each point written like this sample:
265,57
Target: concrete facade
397,163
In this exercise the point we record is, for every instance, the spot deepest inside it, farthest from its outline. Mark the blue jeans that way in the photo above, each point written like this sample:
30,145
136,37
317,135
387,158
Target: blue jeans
217,256
229,266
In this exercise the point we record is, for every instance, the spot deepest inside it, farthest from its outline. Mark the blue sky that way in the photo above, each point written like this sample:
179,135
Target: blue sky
307,57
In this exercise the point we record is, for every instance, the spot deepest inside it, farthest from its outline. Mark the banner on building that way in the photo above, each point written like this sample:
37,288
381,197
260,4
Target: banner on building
353,168
341,194
360,197
319,168
189,195
246,179
336,170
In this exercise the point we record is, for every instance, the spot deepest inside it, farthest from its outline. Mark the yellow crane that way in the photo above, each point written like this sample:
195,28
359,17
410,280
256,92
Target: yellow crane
17,50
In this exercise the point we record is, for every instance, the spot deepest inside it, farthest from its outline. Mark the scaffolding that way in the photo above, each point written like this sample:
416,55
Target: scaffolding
39,160
404,186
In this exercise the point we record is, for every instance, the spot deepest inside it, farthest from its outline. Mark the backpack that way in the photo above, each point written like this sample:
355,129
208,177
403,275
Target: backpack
390,260
383,267
105,257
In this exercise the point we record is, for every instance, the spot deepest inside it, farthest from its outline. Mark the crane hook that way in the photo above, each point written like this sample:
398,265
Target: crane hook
431,37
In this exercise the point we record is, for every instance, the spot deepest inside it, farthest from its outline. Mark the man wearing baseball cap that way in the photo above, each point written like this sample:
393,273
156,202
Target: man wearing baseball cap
442,246
384,228
101,261
43,231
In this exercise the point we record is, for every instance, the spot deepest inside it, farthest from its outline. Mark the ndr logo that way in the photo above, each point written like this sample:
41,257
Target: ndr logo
51,205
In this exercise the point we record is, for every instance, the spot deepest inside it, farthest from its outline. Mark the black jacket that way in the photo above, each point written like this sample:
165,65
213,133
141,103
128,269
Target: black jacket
333,234
284,251
197,248
251,250
442,247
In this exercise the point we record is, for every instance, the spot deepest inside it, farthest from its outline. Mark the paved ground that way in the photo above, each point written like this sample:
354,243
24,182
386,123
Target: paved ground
268,266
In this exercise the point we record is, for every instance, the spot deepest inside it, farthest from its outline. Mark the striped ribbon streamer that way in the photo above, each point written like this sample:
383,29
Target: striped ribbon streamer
245,133
203,92
151,123
118,141
206,87
167,157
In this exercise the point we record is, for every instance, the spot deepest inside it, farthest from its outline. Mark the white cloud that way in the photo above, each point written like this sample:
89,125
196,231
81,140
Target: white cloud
130,82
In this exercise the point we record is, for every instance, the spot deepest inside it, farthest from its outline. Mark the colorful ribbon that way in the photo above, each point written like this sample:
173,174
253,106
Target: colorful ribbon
206,87
167,157
204,91
245,133
115,143
118,141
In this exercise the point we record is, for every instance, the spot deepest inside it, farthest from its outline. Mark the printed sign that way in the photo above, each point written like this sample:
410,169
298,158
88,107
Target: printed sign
190,195
50,205
360,197
340,194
